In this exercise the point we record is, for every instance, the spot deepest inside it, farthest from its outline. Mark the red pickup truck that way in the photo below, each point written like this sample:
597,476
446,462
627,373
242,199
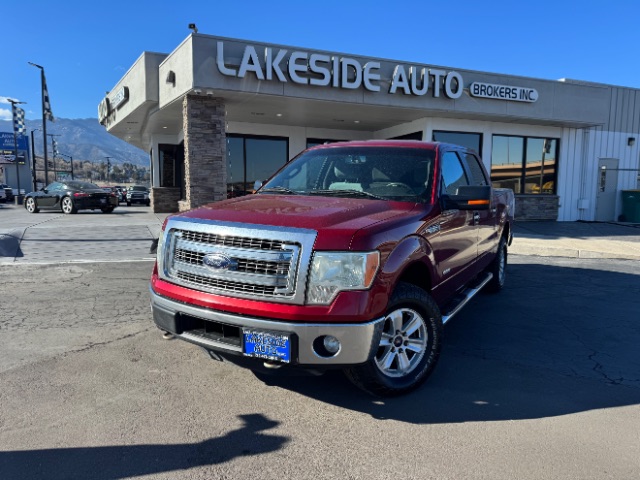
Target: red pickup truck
352,256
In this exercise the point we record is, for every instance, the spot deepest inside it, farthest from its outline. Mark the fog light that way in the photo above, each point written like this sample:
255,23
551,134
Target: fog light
332,344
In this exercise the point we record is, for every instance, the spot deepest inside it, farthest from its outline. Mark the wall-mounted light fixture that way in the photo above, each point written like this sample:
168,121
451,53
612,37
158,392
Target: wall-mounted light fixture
631,141
171,78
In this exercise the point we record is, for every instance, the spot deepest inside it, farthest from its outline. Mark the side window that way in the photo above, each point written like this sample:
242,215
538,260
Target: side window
453,175
477,174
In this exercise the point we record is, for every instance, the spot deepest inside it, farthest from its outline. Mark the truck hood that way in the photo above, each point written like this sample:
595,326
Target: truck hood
335,219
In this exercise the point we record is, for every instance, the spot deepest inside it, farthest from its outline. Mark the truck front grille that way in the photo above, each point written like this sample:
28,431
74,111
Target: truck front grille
250,266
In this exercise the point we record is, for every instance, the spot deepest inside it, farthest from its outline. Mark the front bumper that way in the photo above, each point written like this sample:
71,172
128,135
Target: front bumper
222,332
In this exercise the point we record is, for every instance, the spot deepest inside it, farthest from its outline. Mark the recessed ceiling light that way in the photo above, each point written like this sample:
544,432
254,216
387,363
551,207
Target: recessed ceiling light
278,114
356,121
165,127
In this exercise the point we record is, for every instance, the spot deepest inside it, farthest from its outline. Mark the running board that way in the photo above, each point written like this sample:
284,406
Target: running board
463,297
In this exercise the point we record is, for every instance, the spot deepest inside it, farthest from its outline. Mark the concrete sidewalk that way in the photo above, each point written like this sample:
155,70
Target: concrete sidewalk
577,240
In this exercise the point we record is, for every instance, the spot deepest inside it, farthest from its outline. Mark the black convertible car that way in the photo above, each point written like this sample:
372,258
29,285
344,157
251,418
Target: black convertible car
69,197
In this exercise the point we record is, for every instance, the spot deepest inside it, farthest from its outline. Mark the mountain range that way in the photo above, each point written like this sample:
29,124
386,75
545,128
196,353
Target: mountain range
83,139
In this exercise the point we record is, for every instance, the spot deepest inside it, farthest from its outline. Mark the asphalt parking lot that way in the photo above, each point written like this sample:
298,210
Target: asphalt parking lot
539,381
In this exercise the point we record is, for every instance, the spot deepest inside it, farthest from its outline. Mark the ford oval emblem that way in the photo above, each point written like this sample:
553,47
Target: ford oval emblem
218,261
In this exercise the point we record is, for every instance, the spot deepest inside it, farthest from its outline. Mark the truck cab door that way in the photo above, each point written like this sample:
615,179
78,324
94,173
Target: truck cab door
455,245
484,219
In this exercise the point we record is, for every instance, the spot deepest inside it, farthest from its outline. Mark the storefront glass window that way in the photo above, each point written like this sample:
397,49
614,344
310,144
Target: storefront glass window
235,167
506,162
264,157
540,167
408,136
465,139
524,164
251,158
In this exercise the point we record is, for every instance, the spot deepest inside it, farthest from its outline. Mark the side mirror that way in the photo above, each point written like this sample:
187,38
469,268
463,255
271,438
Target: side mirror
44,190
257,185
468,197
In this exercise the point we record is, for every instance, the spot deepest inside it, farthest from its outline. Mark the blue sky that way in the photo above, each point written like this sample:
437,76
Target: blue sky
87,46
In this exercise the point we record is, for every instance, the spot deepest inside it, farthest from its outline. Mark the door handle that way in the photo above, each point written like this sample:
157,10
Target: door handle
476,218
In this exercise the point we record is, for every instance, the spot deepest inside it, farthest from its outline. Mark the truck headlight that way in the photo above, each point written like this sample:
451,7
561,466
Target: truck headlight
333,272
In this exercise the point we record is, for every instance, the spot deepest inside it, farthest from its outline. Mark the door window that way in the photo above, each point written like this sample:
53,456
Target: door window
453,175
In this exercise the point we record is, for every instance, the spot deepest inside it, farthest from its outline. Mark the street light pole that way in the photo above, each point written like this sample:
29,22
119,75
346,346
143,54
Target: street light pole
33,154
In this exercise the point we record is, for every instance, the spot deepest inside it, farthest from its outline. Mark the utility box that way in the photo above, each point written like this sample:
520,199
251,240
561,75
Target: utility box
631,206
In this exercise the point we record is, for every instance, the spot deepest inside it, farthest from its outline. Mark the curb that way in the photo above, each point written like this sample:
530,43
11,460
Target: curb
536,250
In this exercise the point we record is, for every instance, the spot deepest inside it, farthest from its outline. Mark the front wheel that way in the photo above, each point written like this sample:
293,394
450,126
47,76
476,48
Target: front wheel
409,345
31,206
107,209
68,206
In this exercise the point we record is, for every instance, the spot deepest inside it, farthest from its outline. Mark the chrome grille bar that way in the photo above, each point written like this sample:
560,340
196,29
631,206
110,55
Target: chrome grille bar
246,261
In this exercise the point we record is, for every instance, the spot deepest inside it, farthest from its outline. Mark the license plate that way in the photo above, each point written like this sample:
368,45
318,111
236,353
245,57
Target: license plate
103,200
267,345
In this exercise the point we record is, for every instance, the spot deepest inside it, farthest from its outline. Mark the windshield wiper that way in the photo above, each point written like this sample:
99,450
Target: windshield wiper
349,193
283,190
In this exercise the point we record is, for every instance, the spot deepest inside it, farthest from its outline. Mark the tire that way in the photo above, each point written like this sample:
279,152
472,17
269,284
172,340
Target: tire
67,206
147,203
498,268
107,210
128,204
413,318
31,205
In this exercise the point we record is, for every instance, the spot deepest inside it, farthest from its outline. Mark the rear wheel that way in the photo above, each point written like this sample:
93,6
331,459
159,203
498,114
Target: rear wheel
128,204
498,268
31,206
107,209
409,345
68,206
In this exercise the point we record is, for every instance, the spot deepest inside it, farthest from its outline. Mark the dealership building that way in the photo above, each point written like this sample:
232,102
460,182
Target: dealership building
217,114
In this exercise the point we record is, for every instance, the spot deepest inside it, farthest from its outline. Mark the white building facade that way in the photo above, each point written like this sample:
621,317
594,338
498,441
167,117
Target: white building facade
217,114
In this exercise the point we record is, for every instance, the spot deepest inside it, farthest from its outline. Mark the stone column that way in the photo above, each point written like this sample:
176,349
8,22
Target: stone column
204,150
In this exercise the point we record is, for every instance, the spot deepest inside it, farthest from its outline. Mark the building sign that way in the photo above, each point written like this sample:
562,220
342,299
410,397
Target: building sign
8,148
503,92
322,70
120,98
103,110
108,106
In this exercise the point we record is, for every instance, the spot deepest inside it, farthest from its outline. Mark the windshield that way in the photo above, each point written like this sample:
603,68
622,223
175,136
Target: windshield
388,173
138,189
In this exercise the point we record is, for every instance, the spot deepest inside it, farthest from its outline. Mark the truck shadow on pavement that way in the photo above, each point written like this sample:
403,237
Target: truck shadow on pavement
125,461
555,341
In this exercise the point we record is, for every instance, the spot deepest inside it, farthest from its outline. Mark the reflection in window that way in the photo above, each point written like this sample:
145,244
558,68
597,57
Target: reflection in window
472,141
540,165
506,162
524,164
251,158
453,175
